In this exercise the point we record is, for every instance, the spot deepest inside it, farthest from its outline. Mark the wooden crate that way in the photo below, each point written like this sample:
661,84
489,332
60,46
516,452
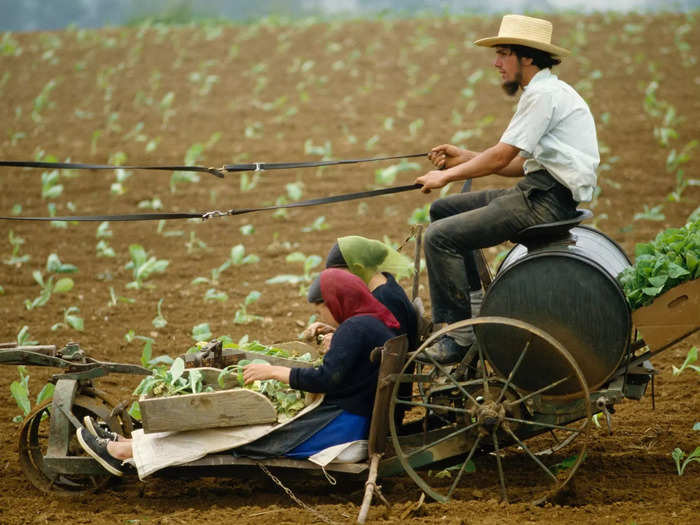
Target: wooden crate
221,408
671,317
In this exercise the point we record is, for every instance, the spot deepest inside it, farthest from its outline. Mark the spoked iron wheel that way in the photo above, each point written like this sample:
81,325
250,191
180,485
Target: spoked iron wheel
34,438
476,434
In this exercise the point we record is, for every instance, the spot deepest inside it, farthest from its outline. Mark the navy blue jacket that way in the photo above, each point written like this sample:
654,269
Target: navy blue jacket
391,295
347,376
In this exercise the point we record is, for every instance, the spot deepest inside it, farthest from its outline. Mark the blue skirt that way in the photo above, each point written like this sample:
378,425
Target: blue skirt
343,428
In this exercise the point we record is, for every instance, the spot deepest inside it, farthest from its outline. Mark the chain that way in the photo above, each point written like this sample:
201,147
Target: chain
292,496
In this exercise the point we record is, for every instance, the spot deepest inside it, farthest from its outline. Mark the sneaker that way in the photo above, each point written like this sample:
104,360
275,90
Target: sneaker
444,350
97,448
98,430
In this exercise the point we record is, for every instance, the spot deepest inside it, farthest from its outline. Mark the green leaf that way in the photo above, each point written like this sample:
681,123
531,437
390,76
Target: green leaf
176,370
135,410
46,393
20,392
676,271
63,285
201,332
696,426
75,322
146,354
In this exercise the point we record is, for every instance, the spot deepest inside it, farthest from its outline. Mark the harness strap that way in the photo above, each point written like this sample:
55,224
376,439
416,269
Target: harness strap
77,166
263,166
217,172
216,213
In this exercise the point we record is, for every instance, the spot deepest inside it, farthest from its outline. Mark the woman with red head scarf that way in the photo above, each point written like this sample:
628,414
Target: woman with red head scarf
347,377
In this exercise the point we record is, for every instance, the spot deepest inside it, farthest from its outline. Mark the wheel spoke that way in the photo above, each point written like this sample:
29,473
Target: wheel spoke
543,425
430,405
501,477
452,379
512,372
442,439
484,378
464,465
537,392
534,458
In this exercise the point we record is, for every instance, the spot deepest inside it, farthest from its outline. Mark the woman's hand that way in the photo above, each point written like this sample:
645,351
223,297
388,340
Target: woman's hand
316,329
258,372
325,343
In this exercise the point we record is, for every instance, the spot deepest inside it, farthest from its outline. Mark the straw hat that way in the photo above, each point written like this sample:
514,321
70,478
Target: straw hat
525,31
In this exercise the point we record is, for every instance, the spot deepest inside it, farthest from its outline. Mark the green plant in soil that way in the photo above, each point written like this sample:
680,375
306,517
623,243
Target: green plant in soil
678,457
47,289
15,259
691,357
143,266
309,262
20,393
70,319
242,316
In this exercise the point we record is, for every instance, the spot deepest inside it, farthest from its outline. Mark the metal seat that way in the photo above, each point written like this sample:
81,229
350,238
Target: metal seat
550,231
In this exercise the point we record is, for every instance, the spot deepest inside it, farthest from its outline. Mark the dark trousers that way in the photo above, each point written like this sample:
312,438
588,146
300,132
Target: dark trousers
464,222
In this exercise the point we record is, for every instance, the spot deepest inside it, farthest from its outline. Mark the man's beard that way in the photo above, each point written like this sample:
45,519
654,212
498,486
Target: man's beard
511,86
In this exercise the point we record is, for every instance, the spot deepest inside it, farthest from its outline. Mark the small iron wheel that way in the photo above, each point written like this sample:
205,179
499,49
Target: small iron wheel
474,432
33,443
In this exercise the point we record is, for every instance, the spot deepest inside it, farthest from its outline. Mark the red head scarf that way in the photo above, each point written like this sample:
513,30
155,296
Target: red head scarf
346,295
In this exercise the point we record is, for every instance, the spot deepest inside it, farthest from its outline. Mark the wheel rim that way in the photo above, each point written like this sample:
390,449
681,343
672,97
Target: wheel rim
485,423
33,441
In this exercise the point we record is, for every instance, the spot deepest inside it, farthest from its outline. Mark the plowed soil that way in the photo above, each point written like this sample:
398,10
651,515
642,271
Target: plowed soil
275,91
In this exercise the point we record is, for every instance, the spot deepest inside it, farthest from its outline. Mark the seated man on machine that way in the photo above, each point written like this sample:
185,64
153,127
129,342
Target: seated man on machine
551,141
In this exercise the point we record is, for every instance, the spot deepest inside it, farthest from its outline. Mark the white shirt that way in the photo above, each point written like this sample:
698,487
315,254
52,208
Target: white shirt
554,129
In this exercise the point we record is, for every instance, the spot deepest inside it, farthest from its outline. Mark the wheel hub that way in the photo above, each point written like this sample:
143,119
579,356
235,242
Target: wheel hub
490,415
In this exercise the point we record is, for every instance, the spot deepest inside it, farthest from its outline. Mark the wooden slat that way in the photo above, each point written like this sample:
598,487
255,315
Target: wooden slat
225,408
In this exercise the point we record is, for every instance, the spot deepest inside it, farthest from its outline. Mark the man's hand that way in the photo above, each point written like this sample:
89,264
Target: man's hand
432,180
446,155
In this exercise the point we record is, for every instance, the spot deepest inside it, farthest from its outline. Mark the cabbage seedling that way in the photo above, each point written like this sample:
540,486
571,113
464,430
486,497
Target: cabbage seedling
159,321
70,318
47,288
143,266
242,316
16,259
20,393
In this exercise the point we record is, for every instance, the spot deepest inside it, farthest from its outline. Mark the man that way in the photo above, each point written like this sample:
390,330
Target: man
551,141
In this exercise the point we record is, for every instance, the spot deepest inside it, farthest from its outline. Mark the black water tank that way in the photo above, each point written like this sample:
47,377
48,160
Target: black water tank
567,288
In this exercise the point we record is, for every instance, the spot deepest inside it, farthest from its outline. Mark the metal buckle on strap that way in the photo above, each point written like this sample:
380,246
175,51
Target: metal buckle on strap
214,213
257,166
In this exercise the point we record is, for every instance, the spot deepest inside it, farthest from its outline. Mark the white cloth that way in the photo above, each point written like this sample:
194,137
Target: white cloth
159,450
351,452
554,129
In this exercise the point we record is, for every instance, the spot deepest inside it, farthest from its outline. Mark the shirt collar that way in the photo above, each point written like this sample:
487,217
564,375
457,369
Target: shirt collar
541,76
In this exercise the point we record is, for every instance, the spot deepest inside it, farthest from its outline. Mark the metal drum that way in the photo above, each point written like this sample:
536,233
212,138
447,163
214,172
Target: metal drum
568,289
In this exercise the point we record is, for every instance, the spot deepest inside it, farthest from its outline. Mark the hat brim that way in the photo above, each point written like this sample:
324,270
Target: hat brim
503,40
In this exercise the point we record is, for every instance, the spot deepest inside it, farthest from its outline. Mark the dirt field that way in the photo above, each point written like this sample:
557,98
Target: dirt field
278,92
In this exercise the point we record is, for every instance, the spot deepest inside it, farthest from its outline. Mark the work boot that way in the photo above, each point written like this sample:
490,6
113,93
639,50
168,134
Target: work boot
444,350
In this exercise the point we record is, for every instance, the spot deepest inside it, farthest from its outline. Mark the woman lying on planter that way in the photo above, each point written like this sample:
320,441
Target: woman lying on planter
347,378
